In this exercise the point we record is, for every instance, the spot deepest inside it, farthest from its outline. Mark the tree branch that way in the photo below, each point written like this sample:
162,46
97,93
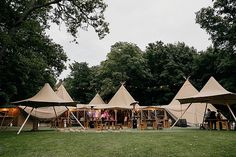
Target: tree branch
32,8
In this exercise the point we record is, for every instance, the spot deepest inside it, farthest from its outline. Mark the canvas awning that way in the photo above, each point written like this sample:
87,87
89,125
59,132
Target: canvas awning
45,97
212,93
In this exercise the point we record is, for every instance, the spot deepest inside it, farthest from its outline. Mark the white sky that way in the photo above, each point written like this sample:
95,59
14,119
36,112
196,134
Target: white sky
140,22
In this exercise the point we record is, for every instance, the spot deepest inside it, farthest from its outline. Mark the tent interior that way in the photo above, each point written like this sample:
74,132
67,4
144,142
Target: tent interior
8,115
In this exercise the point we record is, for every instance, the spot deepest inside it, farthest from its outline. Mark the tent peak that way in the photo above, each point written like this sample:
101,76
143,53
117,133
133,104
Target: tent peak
212,86
97,100
45,97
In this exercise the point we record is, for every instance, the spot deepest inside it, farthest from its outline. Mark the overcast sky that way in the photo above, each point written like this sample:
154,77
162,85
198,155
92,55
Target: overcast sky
140,22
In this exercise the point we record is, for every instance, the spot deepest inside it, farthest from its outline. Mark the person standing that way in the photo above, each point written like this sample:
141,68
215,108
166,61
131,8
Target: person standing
207,118
218,118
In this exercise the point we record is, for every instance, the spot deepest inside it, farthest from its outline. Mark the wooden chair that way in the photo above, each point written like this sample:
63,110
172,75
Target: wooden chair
143,125
159,124
100,126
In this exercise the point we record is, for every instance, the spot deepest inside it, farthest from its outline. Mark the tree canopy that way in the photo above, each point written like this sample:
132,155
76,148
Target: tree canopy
170,65
219,21
152,77
28,57
74,13
124,63
78,82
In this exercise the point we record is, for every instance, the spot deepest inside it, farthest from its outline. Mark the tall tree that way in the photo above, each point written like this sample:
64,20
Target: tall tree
28,57
215,63
170,64
78,82
219,21
124,63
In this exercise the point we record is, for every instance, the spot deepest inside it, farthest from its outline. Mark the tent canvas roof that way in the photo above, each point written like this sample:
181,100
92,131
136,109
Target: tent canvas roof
212,93
45,112
63,94
48,112
194,115
45,97
122,99
97,100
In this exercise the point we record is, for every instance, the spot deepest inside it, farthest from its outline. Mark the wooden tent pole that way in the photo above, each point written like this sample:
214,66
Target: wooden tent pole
115,116
75,118
25,122
231,112
180,116
3,119
141,115
56,116
204,116
85,120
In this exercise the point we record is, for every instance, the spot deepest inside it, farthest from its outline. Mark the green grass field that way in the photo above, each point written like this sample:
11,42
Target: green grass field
175,143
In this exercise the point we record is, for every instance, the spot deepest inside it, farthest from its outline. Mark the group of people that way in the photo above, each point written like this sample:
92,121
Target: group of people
94,116
212,117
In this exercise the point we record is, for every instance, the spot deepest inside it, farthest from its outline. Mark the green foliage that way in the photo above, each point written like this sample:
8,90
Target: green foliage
74,13
28,60
219,21
78,83
124,63
28,57
215,63
152,77
170,65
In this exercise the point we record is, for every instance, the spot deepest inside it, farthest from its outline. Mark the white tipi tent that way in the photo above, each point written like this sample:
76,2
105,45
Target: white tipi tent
48,112
213,93
44,98
97,100
63,94
46,93
195,113
122,99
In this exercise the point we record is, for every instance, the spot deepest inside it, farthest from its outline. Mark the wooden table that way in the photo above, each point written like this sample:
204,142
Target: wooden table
222,124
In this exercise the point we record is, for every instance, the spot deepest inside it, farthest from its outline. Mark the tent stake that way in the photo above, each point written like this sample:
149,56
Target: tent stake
180,116
75,118
25,122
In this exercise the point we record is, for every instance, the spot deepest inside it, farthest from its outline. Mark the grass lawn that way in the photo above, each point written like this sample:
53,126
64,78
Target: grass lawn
176,142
